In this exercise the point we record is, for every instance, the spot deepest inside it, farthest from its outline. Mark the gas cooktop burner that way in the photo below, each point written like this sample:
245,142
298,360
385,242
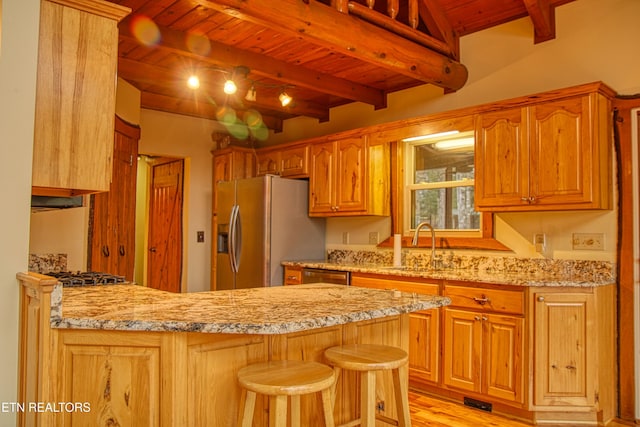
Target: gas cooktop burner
69,278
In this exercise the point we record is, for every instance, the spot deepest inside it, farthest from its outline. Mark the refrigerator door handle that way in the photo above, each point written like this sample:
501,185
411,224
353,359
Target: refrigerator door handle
232,238
237,244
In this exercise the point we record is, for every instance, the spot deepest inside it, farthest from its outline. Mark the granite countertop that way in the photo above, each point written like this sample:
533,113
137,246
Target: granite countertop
572,276
274,310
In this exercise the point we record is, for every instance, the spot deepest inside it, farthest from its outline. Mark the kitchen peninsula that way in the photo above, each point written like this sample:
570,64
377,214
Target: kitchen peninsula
131,355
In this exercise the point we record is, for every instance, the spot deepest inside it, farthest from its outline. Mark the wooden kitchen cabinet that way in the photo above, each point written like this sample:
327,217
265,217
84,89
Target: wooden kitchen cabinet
574,353
424,326
292,275
484,342
552,155
288,162
349,177
75,96
112,214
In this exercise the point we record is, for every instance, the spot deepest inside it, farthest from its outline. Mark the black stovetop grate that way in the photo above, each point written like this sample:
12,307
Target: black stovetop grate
87,278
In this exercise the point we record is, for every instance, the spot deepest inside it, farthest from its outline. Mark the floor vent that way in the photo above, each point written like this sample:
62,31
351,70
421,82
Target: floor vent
478,404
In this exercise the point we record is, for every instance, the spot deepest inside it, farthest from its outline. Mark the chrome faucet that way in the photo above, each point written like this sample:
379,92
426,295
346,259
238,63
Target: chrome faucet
416,234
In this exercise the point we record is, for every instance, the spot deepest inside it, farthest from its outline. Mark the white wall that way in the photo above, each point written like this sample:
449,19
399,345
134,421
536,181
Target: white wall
188,137
18,57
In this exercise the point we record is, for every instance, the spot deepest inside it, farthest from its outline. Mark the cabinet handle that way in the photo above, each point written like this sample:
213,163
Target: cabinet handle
481,301
292,278
121,250
525,199
540,299
105,251
485,318
476,318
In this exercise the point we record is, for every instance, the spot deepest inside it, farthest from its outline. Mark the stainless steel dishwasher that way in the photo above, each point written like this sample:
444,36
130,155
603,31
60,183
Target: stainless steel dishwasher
319,275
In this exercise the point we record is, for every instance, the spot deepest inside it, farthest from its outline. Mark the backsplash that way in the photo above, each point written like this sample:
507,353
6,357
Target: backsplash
45,263
597,270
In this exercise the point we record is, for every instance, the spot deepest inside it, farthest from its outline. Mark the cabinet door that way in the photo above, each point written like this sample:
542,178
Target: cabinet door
564,353
75,96
322,178
268,163
351,168
424,345
501,159
503,344
294,162
562,152
462,350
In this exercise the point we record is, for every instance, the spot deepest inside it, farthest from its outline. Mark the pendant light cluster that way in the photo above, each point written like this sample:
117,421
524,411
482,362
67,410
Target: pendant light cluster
230,87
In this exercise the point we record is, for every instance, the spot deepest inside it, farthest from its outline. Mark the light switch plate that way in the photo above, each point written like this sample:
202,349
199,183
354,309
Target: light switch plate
588,241
373,237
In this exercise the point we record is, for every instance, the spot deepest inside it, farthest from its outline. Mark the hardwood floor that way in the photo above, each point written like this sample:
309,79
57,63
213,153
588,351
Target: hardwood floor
428,411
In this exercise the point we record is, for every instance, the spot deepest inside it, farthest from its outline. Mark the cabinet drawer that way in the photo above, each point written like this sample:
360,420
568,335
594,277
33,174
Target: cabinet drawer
400,285
292,276
496,300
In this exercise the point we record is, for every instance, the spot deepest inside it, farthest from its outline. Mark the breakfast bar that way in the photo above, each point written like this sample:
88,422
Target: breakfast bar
124,354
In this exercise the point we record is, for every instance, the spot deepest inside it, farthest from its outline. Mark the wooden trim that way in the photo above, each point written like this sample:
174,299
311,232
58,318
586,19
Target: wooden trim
105,9
626,363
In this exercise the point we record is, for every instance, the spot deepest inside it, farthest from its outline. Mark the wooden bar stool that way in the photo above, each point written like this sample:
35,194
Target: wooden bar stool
279,379
367,359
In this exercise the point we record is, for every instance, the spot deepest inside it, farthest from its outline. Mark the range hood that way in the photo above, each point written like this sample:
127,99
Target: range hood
52,202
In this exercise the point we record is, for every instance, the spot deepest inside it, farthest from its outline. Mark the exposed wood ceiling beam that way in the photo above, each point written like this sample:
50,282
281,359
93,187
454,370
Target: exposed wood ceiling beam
265,66
543,18
140,72
201,109
324,26
439,25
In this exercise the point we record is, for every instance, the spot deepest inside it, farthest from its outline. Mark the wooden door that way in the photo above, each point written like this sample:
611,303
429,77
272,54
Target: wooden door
503,344
351,169
501,159
561,152
322,178
564,352
112,216
462,352
165,226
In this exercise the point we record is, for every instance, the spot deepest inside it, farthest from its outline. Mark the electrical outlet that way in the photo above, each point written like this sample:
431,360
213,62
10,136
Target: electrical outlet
540,242
588,241
380,405
373,237
200,236
345,237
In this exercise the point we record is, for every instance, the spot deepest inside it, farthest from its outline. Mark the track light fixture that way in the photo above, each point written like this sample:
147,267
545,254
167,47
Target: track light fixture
230,87
251,94
284,98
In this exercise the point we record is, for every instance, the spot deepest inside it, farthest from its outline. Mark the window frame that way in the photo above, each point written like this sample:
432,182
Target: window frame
485,240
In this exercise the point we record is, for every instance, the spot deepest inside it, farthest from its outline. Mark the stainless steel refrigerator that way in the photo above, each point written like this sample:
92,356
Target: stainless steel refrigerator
261,222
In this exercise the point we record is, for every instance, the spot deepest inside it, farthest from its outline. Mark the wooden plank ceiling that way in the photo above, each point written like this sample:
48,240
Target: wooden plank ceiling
322,53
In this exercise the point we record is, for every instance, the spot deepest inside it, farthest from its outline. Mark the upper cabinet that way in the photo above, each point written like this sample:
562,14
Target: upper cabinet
550,155
75,96
288,162
349,177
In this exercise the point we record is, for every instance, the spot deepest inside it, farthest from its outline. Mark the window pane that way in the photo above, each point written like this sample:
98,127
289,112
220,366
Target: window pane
433,165
445,208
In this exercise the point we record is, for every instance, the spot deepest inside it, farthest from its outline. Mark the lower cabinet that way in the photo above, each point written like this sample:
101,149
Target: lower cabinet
546,355
483,346
574,354
482,354
424,326
292,275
